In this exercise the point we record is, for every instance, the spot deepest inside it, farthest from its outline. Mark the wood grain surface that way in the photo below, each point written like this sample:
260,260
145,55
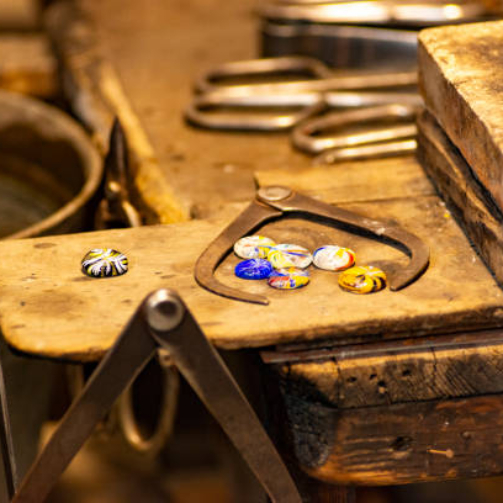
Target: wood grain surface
399,444
351,182
48,307
429,368
473,205
460,78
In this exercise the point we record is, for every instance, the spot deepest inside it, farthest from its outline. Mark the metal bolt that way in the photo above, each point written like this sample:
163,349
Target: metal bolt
274,193
164,310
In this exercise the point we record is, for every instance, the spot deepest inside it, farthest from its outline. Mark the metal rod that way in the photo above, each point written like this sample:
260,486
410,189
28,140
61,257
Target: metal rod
209,377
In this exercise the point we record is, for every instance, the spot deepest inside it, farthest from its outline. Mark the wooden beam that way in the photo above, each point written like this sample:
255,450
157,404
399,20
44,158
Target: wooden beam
406,371
398,444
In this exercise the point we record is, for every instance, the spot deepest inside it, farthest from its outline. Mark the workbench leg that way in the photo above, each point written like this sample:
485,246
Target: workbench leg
314,491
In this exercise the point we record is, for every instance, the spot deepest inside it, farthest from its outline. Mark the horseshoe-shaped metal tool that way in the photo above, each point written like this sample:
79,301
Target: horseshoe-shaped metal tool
272,202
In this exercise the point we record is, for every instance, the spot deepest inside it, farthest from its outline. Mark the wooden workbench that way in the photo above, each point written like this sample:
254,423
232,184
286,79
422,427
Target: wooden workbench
374,356
48,307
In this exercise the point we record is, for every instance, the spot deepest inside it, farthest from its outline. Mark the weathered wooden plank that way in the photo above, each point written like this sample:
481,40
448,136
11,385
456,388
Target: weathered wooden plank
472,204
460,78
398,444
48,307
354,181
401,371
27,65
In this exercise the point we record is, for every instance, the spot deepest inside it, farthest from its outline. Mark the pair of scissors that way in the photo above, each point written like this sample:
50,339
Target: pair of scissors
273,202
263,97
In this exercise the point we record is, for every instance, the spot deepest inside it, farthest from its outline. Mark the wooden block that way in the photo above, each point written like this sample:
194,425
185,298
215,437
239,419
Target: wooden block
27,65
392,372
49,308
471,203
460,79
398,444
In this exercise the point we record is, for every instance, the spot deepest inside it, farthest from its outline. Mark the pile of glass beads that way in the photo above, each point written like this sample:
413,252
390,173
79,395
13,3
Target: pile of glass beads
285,266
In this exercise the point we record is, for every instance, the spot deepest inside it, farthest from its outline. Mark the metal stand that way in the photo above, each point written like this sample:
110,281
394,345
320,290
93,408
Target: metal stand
162,320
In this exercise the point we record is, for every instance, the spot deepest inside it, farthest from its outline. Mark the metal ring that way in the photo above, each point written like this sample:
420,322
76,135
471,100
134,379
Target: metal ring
128,420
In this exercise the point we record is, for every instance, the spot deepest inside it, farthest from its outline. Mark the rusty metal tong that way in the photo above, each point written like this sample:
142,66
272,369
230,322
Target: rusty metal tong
274,201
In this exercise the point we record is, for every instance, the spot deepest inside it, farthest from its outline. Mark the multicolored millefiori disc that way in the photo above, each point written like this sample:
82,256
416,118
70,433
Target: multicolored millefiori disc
104,263
255,268
283,256
253,247
289,278
333,258
363,279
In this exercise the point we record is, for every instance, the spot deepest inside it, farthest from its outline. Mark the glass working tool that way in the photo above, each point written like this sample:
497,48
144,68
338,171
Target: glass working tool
275,201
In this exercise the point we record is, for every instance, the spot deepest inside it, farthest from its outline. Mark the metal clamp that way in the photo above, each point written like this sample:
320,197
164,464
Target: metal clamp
274,201
161,321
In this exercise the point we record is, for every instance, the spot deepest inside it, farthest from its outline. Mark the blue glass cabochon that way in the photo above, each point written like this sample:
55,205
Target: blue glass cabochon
255,268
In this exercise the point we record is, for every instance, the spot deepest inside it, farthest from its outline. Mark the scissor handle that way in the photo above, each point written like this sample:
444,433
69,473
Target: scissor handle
378,150
307,136
265,67
211,112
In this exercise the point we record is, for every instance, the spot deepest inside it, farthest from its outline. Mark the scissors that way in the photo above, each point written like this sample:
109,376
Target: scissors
272,202
278,103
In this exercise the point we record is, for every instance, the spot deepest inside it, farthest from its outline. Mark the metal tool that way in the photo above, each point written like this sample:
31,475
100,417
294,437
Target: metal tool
273,202
373,12
395,139
164,321
280,105
341,46
276,73
128,412
116,208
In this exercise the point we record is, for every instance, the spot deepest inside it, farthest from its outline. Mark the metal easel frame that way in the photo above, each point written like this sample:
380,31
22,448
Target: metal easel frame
162,320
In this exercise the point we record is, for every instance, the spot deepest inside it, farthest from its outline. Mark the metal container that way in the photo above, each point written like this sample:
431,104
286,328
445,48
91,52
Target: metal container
49,169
